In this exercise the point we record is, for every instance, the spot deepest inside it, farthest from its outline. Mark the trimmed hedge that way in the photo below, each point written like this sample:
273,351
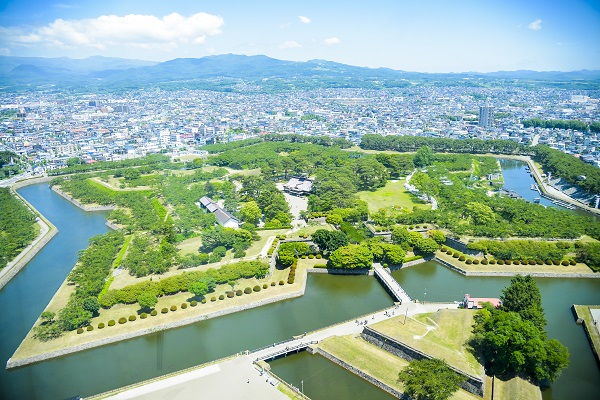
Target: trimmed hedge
265,286
221,297
79,331
89,328
122,320
143,315
132,317
213,298
484,262
238,292
193,303
247,290
230,294
153,313
281,283
273,284
164,310
256,288
101,325
565,263
111,322
203,301
183,306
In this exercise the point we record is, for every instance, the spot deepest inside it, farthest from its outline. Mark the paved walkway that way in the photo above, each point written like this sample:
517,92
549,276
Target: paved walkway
232,379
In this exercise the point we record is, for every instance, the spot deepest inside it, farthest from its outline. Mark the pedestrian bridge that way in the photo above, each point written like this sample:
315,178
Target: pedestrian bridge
280,349
390,284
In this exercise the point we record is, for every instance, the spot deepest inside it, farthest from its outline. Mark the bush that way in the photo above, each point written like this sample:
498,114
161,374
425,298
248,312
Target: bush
455,254
318,256
461,258
320,266
476,262
143,315
303,256
183,306
132,317
221,297
101,325
281,283
248,290
154,313
449,252
111,322
311,256
273,284
484,262
556,262
173,308
507,262
548,262
492,262
531,262
230,294
290,280
193,303
256,288
565,263
265,286
213,298
89,328
516,262
500,262
444,249
539,262
122,320
203,301
79,331
238,292
164,310
572,262
469,262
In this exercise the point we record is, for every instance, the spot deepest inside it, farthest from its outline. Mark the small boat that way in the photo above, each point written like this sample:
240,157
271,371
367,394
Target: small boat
532,186
536,200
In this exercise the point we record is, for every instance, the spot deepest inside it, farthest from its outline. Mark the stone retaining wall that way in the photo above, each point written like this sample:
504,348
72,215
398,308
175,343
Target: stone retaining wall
86,346
360,373
473,384
112,226
340,271
508,273
586,328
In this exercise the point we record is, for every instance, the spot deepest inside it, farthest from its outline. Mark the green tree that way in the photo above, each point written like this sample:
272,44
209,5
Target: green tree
91,304
250,212
423,157
147,300
437,235
199,288
523,297
400,235
426,246
371,173
351,257
481,213
48,316
329,241
430,379
393,254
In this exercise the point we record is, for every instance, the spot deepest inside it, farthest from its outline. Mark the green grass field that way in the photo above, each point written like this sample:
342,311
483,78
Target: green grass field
392,194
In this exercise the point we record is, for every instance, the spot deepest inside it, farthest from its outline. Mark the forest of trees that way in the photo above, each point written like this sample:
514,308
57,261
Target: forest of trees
561,124
17,226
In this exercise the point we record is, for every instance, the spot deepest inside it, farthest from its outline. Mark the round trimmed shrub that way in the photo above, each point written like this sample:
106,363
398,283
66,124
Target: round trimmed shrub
164,310
203,301
265,286
122,320
548,262
531,262
89,328
572,262
461,258
484,262
173,308
193,303
143,315
556,262
273,284
132,317
449,252
79,331
303,256
238,292
469,262
564,263
500,262
101,325
230,294
455,254
154,313
539,262
213,298
476,262
507,262
256,288
281,283
444,249
318,256
221,297
247,290
311,256
183,306
290,280
111,322
492,262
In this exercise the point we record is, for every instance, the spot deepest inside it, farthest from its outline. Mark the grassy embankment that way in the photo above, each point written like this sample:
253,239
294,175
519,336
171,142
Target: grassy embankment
392,194
584,312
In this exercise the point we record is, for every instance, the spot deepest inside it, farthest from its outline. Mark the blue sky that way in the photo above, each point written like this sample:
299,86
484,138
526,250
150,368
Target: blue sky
424,35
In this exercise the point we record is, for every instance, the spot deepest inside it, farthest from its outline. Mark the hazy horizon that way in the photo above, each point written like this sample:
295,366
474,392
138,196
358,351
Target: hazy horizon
434,36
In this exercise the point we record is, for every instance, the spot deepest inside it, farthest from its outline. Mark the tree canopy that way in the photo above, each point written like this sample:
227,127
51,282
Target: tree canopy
430,379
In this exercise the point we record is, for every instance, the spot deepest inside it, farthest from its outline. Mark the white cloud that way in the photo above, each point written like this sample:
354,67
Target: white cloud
303,19
535,25
332,41
290,44
135,30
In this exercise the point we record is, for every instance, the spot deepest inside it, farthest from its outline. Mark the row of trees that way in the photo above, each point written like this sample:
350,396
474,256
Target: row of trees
561,124
17,226
523,249
569,168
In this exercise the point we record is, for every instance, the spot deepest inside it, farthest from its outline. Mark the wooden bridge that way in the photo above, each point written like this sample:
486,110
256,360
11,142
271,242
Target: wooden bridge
388,281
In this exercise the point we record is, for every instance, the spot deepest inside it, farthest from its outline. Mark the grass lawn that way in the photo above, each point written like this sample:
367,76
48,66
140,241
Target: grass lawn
442,334
516,388
30,346
189,246
309,230
578,268
244,172
392,194
257,246
374,361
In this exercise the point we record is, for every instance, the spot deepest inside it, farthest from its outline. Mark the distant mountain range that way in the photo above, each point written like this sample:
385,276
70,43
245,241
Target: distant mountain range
224,72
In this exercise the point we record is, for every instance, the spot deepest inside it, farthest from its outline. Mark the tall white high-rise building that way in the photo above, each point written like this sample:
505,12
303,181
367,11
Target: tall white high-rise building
486,116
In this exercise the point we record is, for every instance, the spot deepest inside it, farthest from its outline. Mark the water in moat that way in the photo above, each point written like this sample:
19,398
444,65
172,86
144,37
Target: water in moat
328,299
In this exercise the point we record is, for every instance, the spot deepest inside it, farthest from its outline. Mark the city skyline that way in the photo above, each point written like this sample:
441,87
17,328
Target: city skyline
432,36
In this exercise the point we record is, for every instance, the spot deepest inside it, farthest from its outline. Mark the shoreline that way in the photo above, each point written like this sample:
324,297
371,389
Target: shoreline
47,232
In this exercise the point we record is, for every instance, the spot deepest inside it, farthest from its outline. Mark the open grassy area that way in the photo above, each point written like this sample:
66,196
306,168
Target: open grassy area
392,194
189,246
442,334
516,388
30,346
309,230
374,361
578,268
